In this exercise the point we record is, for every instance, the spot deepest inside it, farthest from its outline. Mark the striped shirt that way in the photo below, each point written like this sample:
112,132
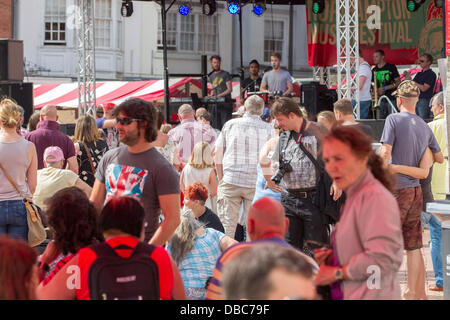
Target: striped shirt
55,266
214,291
198,265
238,145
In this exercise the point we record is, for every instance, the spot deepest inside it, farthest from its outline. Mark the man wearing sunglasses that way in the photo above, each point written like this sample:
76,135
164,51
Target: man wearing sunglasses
138,170
425,80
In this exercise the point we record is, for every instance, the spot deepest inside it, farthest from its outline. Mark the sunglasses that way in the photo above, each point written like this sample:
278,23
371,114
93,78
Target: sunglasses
126,121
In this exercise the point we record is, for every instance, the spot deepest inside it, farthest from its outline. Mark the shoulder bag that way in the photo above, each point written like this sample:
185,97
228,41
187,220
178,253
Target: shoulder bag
36,230
89,157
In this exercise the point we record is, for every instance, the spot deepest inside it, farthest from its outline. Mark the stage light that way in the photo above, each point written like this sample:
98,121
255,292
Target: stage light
208,7
259,8
184,8
318,6
127,8
414,5
233,6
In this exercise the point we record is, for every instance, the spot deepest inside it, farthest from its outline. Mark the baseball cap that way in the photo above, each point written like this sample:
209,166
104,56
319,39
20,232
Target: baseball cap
266,114
408,89
239,112
53,154
109,106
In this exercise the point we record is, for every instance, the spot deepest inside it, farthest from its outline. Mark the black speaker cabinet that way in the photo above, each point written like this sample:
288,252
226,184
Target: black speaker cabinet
316,97
11,60
22,93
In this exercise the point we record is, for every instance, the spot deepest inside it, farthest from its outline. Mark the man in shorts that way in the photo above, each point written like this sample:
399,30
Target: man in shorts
406,137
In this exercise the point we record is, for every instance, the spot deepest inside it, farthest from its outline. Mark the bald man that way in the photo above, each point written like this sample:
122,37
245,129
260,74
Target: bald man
47,134
190,132
266,223
199,112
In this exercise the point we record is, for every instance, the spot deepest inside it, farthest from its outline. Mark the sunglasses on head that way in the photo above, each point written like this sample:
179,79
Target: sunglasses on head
126,121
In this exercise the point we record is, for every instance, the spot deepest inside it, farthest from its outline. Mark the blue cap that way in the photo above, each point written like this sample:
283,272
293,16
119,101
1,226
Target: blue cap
266,113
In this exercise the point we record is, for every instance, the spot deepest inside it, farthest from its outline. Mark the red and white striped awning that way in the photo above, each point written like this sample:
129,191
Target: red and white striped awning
66,94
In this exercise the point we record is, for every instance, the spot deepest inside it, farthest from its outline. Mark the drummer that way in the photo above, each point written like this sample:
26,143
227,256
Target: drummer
252,83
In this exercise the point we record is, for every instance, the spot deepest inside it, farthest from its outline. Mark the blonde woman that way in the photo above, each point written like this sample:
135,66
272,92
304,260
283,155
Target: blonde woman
195,249
19,159
86,135
200,169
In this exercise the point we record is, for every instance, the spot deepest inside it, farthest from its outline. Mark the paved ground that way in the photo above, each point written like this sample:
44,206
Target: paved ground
432,295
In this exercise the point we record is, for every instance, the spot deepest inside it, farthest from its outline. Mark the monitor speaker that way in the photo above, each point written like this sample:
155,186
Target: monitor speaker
22,93
316,97
11,60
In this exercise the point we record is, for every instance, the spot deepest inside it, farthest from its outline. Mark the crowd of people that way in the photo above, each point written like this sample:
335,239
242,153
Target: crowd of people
267,205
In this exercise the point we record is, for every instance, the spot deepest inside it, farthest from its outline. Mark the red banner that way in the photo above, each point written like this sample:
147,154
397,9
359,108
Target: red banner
383,24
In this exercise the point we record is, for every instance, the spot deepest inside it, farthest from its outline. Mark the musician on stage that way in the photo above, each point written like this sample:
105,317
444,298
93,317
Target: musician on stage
277,81
221,87
252,83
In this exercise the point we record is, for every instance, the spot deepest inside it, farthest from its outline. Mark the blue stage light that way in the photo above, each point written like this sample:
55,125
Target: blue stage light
233,7
184,9
258,10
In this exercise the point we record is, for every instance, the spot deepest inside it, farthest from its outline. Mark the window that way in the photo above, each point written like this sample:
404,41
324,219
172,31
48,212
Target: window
184,33
210,37
273,38
55,22
103,23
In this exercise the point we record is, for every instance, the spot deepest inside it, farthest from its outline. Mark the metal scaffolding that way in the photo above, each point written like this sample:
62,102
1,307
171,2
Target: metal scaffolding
86,56
347,50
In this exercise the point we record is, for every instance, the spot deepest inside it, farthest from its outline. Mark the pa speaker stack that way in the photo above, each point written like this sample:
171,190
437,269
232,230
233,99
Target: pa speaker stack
11,76
317,97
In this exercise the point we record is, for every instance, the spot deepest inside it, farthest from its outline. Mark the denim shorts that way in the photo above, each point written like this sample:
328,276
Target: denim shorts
13,219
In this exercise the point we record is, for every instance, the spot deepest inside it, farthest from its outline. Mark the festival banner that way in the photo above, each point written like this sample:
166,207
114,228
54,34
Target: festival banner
383,24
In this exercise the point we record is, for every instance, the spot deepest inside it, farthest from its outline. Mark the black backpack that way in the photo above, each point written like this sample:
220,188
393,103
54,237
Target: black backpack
112,277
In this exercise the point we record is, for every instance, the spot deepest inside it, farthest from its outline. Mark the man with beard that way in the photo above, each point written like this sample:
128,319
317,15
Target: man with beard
221,87
138,170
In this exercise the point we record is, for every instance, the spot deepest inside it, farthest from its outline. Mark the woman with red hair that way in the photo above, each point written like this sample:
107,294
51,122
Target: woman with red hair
367,242
195,197
19,273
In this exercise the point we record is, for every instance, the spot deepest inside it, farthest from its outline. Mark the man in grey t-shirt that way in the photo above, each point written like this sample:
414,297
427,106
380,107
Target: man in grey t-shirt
277,80
221,87
405,137
138,170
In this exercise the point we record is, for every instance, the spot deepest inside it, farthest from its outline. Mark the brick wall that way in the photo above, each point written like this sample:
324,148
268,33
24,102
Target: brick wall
5,18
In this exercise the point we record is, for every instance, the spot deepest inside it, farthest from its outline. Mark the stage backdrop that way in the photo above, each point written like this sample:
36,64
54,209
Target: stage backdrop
403,35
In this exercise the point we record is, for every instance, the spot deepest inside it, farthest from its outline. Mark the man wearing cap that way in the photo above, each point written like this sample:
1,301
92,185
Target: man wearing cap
47,134
53,177
108,123
404,140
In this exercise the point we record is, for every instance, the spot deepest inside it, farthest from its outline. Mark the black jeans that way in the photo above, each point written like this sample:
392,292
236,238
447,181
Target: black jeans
305,223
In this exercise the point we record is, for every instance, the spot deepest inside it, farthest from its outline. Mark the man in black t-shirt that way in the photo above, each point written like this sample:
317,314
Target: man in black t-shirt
252,83
387,77
425,80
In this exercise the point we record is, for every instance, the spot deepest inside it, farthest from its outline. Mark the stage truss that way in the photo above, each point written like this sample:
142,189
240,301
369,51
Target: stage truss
85,26
347,50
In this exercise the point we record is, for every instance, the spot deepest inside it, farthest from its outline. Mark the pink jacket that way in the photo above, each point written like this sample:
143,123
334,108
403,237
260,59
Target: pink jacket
369,239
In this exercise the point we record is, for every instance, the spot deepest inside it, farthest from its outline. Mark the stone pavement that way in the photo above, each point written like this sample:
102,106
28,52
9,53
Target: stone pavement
432,295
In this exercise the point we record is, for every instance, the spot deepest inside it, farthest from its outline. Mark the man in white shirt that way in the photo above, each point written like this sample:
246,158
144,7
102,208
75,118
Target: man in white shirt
365,79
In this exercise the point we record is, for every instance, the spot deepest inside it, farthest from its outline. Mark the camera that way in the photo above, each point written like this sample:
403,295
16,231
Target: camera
284,168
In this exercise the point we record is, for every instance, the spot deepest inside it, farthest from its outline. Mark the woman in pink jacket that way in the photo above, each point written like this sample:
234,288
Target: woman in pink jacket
367,243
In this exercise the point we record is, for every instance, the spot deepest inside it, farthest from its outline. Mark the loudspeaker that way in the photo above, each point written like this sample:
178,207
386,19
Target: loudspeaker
22,93
317,97
11,60
67,128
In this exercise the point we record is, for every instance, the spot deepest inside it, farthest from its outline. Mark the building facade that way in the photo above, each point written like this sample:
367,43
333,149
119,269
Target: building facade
131,48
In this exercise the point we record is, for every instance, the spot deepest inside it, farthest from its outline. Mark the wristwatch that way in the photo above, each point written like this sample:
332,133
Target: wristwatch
339,275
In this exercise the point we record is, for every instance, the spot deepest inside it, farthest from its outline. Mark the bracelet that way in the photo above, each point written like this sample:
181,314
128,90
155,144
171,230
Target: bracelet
43,266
